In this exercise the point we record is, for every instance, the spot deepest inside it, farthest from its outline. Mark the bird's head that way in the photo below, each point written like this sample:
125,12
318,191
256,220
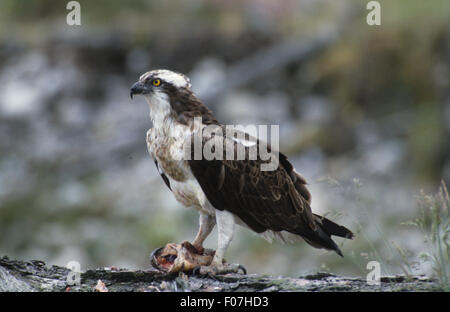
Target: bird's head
160,81
169,94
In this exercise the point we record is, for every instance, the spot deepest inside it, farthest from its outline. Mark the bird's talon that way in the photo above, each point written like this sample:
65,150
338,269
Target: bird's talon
242,268
235,268
196,271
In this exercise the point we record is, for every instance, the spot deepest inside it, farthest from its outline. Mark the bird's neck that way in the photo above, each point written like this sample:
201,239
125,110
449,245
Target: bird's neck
189,113
160,112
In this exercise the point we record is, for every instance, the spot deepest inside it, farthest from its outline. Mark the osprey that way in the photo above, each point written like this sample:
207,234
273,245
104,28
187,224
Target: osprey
274,203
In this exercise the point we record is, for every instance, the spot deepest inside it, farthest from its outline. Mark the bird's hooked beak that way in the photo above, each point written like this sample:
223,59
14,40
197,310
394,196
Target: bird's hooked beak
138,88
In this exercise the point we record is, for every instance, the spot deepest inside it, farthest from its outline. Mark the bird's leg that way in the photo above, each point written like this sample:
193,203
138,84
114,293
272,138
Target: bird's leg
207,223
225,224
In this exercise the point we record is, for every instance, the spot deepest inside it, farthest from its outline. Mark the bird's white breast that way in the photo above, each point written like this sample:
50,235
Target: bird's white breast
165,145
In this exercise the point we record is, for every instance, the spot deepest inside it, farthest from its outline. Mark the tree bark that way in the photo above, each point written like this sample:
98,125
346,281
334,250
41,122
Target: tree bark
34,275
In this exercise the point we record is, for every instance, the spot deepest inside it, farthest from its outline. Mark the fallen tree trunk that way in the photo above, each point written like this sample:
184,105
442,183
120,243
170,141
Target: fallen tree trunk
34,275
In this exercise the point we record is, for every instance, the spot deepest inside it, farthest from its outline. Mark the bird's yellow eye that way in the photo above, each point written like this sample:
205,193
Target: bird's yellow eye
156,82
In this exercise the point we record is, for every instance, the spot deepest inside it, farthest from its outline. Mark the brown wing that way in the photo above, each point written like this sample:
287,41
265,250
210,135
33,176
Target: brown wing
265,200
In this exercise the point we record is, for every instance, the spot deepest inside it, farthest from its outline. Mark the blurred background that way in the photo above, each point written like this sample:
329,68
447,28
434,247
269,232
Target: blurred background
364,115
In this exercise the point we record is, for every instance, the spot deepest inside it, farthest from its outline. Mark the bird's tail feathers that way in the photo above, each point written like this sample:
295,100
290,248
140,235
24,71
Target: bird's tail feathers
332,228
321,237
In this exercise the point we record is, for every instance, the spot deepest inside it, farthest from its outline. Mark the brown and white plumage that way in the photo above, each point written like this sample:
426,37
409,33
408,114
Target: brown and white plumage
275,200
226,192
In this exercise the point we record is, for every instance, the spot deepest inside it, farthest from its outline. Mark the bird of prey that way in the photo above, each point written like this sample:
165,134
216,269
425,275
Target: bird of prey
226,192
